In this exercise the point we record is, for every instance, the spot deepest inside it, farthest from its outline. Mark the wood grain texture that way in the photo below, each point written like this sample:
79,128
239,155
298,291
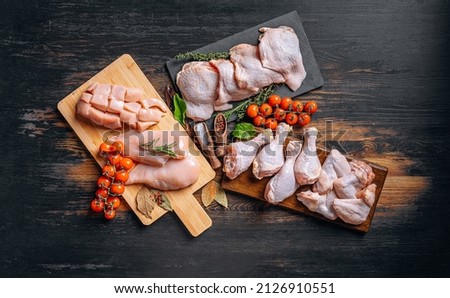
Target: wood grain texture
385,99
124,71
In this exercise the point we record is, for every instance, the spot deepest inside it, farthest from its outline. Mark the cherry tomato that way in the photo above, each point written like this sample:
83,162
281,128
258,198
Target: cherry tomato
121,176
271,123
108,170
252,110
297,106
304,119
109,213
103,182
265,109
274,100
125,163
259,120
291,118
279,114
119,147
117,188
115,159
310,107
114,202
97,205
105,149
286,103
101,193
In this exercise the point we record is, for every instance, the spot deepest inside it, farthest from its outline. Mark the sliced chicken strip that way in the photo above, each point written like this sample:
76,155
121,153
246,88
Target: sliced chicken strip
133,107
198,83
128,117
150,115
153,102
86,97
307,166
249,72
118,92
141,125
100,101
175,174
283,184
352,211
111,121
316,202
115,106
83,108
101,89
334,166
271,157
240,155
134,95
279,50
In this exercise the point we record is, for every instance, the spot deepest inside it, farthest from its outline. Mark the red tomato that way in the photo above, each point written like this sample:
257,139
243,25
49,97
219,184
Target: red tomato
121,176
271,123
259,120
108,170
291,118
114,202
252,110
105,149
310,107
304,119
115,159
103,182
274,100
118,145
286,103
279,114
125,163
109,213
97,205
297,106
101,193
117,188
265,109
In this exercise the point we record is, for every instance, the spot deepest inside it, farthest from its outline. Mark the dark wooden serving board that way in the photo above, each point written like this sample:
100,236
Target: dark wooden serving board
313,78
248,185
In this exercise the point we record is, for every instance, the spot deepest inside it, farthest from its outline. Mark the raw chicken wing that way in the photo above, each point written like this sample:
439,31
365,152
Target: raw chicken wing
335,166
316,202
352,211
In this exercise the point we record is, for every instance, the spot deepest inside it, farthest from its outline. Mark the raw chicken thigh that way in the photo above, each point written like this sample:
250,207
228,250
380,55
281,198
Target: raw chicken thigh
335,166
283,184
307,166
270,159
279,50
240,155
316,202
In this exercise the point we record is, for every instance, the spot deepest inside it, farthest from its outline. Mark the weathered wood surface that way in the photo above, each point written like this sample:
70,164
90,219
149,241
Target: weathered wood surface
385,99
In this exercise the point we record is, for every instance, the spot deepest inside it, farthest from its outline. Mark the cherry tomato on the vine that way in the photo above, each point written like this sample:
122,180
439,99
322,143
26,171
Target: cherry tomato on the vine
304,119
125,163
115,159
271,123
121,176
265,109
109,213
105,149
114,202
101,193
118,145
291,118
279,114
297,106
310,107
259,120
286,103
117,188
108,170
252,110
103,182
97,205
274,100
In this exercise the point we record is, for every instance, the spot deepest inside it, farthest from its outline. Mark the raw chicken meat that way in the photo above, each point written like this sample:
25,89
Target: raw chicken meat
352,211
334,166
367,194
271,158
110,105
348,185
169,177
133,141
283,184
227,89
279,50
307,166
198,83
240,155
316,202
249,72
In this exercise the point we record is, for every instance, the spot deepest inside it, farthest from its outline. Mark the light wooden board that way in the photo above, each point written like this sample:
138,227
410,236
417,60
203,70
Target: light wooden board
241,185
124,71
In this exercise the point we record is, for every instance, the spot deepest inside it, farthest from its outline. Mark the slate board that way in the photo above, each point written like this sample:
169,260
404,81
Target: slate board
313,78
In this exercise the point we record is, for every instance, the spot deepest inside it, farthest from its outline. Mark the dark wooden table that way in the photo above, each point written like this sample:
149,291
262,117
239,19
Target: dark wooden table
386,70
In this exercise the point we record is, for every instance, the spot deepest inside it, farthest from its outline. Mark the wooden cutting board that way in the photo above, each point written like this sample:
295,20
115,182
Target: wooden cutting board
241,185
124,71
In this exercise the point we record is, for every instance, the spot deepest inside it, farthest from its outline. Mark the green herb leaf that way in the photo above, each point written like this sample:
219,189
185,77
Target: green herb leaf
166,149
179,112
244,131
165,203
203,57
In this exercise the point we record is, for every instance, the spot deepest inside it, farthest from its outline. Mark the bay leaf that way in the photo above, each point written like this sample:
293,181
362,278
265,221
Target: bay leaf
165,203
209,193
221,196
145,203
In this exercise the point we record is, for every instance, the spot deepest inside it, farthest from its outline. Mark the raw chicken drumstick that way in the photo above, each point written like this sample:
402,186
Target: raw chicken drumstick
307,166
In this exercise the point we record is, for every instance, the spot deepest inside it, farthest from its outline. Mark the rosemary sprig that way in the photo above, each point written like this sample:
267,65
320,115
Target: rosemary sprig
203,57
154,150
258,98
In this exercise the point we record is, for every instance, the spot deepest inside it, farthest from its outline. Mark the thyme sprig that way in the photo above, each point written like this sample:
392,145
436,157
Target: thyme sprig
202,56
258,99
165,148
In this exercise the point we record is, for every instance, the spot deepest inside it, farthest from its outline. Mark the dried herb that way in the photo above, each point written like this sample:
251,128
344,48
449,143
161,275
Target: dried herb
179,111
167,149
213,191
202,56
147,199
244,131
258,99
